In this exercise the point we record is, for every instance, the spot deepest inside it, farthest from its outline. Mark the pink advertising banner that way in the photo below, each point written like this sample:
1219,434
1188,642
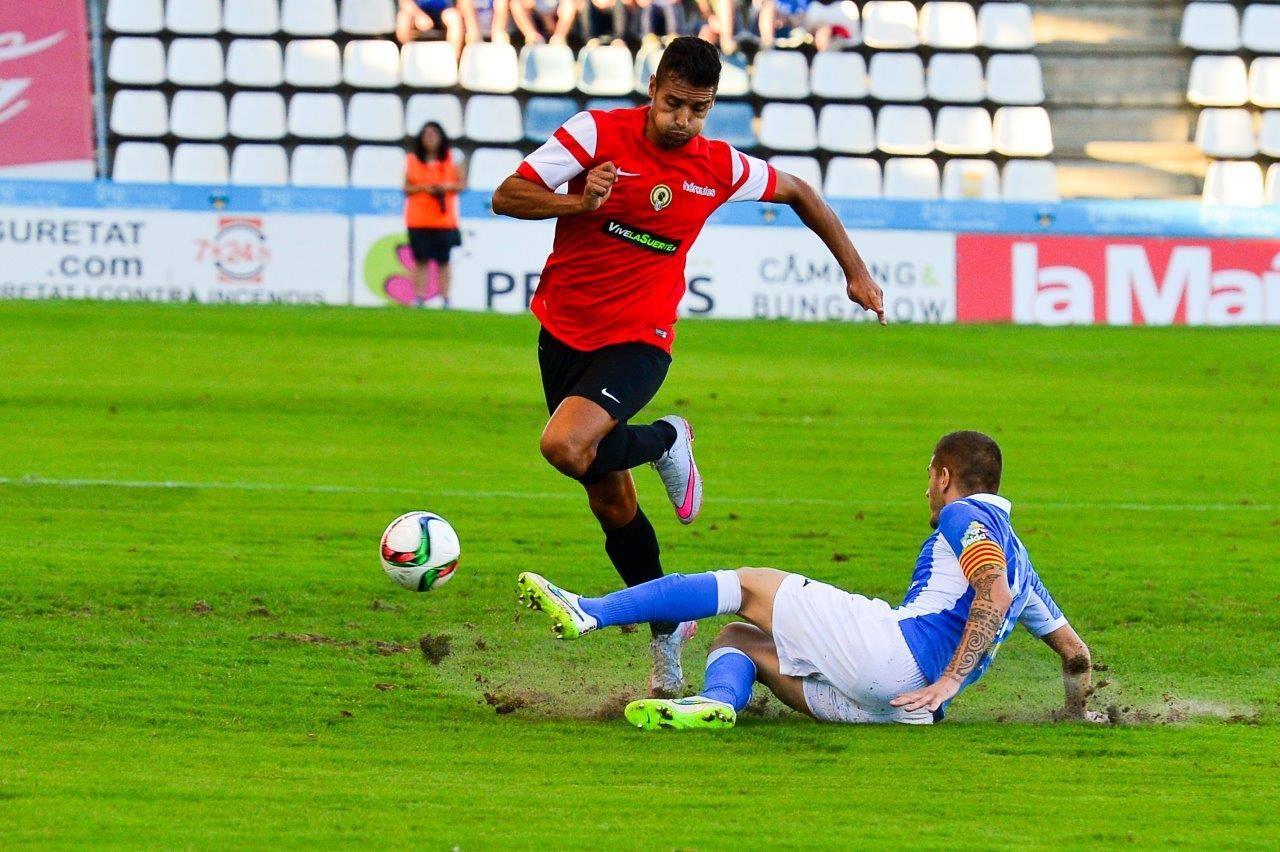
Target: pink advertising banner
46,116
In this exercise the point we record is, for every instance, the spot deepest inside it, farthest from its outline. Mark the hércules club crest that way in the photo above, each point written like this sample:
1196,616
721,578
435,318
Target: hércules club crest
660,197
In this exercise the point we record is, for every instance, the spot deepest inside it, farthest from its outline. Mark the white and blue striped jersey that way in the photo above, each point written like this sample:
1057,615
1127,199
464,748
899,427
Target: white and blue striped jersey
971,532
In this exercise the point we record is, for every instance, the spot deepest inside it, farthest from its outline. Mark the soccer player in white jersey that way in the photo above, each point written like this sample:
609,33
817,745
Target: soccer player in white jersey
843,657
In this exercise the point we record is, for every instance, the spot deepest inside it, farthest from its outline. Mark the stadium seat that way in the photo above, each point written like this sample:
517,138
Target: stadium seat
136,61
1210,27
1260,28
141,162
646,66
890,25
255,63
446,110
198,115
607,104
543,116
970,180
606,72
491,68
1023,132
1220,81
1273,184
782,74
1015,79
1005,26
199,163
375,117
193,17
1269,134
805,168
732,123
257,115
547,68
195,62
316,115
1029,180
140,114
948,25
838,75
911,178
312,64
367,17
1235,183
251,17
963,130
955,78
852,177
735,80
788,127
377,167
896,77
371,64
318,165
309,17
493,118
135,16
846,129
1264,81
489,167
904,130
1226,133
429,65
259,165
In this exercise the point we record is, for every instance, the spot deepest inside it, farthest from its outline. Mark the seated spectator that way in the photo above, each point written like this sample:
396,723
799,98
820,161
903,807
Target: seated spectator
545,20
668,15
423,17
485,16
721,20
778,19
828,21
606,19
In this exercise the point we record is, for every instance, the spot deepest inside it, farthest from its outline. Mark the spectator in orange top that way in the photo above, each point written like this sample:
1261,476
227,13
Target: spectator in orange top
432,182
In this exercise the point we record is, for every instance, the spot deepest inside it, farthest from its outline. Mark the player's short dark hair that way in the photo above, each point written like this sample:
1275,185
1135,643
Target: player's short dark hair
691,60
973,459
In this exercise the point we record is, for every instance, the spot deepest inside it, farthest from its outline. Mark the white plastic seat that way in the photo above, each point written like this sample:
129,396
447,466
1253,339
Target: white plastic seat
316,115
367,17
963,130
142,114
605,71
735,81
195,62
1015,79
890,25
1235,183
199,163
488,67
970,180
646,66
1029,180
312,63
257,115
1005,26
906,130
193,17
805,168
1226,133
838,75
948,25
1210,27
251,17
911,178
955,78
255,62
852,177
309,17
1219,81
1023,132
788,127
1260,28
198,115
136,61
444,109
371,64
141,162
896,77
493,118
1269,133
1273,184
1264,81
375,117
135,16
489,167
547,68
782,74
846,129
318,165
259,165
377,167
429,65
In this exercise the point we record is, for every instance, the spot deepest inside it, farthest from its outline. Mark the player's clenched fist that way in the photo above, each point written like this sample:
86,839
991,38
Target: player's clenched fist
599,185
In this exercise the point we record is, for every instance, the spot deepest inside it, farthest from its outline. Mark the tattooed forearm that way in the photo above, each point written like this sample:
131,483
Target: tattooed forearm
986,614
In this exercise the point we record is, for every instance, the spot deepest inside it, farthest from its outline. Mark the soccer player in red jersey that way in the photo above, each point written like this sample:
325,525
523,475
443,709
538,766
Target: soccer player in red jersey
641,184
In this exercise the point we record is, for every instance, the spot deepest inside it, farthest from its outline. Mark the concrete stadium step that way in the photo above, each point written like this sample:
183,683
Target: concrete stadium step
1121,26
1081,178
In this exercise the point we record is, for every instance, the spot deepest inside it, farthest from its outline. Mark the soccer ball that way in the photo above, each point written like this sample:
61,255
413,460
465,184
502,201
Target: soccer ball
420,551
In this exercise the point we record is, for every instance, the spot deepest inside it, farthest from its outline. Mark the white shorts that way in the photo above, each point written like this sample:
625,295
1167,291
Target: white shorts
848,649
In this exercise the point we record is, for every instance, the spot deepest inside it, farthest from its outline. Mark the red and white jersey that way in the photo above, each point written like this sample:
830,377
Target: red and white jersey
616,275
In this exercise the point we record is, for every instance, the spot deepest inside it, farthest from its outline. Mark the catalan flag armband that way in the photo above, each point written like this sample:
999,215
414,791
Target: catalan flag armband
978,549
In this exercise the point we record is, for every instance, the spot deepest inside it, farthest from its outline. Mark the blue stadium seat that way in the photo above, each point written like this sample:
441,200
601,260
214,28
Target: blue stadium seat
731,121
542,116
610,103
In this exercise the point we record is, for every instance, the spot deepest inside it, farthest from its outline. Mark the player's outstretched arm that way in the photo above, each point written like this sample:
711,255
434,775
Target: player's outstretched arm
1077,675
818,216
521,198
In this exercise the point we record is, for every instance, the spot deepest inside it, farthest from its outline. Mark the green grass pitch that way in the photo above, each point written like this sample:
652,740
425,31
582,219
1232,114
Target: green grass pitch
197,647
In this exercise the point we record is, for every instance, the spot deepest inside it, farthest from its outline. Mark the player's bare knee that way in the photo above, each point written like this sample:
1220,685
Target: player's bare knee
739,635
565,455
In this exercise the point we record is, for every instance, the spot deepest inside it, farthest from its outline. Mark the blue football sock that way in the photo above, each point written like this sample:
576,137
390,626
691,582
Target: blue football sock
730,676
675,597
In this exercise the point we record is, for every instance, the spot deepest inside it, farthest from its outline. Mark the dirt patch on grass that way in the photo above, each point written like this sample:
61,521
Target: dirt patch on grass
201,607
307,639
379,605
504,699
611,708
435,647
388,649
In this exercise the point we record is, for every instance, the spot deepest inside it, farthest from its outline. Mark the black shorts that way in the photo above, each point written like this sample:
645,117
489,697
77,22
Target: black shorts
433,243
621,379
